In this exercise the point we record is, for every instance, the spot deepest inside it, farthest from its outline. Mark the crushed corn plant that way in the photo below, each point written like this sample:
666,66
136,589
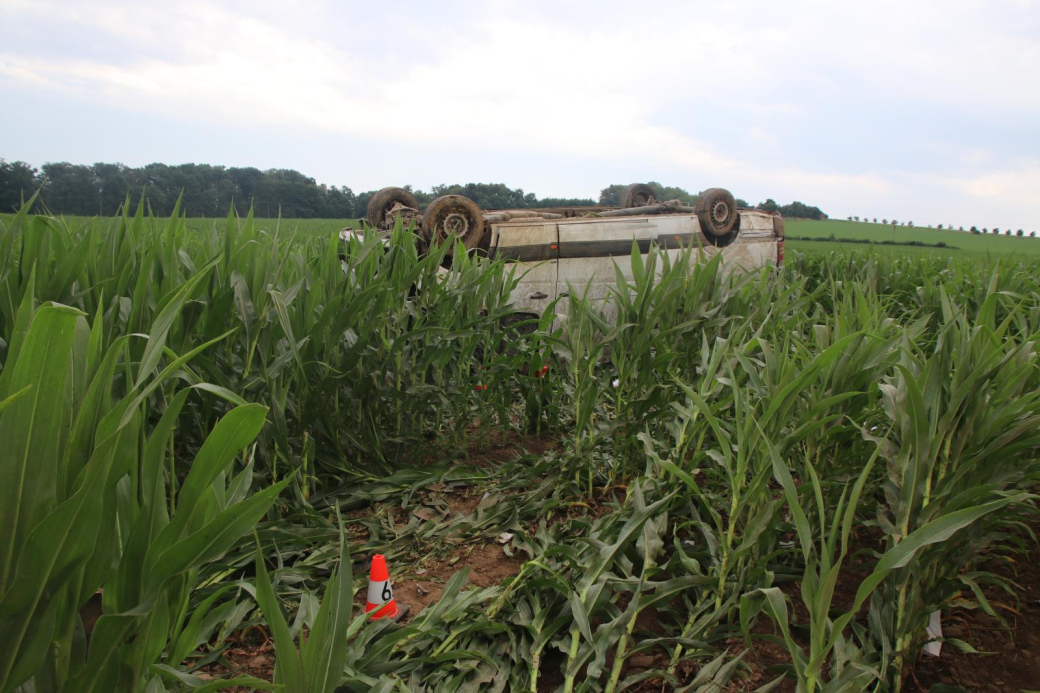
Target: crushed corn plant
207,429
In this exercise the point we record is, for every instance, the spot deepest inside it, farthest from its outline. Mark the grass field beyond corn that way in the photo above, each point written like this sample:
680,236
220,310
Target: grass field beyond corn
758,482
965,241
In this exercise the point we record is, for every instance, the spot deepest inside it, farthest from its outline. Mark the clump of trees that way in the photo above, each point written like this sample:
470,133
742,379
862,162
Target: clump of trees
17,180
208,190
491,196
611,195
796,209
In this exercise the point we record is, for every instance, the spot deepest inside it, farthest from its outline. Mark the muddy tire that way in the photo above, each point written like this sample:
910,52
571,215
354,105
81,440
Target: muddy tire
717,212
380,204
453,216
636,195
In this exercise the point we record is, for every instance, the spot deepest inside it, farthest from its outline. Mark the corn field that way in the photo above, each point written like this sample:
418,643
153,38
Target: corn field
209,431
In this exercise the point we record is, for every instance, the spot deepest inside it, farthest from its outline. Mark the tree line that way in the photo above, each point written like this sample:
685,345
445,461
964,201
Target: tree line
974,229
795,210
210,191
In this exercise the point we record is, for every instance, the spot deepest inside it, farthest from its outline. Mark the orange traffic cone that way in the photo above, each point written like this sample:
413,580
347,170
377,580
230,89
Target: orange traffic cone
380,592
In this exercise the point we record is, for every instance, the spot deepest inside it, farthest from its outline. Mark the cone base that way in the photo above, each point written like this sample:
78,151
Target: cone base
395,612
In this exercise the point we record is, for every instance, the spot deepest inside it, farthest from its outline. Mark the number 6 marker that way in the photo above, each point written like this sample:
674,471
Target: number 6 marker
380,602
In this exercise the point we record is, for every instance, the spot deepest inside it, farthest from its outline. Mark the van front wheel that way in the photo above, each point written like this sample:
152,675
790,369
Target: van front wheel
716,211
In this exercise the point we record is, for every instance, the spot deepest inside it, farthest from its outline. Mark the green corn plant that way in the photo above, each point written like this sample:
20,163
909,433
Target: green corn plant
818,546
733,493
317,666
651,330
964,436
592,589
319,327
581,346
81,498
648,594
732,496
823,570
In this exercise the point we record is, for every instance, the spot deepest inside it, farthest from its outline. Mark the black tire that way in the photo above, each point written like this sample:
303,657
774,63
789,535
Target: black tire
453,215
380,204
636,195
717,212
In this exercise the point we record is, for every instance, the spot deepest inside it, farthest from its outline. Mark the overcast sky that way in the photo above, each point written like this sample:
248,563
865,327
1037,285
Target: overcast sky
915,110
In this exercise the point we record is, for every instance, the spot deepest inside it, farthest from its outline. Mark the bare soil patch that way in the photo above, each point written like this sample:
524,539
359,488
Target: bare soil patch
501,447
250,653
488,564
1012,662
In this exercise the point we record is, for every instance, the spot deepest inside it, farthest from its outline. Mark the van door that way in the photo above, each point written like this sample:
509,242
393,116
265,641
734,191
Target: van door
535,250
755,246
590,249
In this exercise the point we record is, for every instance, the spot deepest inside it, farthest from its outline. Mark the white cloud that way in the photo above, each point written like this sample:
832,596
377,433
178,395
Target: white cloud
1021,184
552,87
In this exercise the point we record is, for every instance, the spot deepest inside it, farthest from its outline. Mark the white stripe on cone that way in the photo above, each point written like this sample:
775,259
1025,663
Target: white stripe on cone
380,592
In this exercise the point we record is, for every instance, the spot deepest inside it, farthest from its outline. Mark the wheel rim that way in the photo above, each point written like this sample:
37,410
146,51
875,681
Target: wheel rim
719,212
454,224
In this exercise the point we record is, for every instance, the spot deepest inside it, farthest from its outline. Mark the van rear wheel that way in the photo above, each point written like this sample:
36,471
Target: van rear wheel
453,216
636,195
383,202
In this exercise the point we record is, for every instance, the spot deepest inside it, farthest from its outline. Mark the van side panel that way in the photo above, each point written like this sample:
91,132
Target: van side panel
572,254
535,250
592,251
755,245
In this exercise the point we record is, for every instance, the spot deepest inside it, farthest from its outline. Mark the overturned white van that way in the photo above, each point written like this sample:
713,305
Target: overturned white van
575,247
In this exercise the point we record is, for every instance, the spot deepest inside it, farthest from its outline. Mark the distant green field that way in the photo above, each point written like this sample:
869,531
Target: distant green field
890,251
963,241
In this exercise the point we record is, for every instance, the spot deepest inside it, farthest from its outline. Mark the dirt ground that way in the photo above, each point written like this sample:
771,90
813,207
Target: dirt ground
502,447
1011,660
250,654
489,565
